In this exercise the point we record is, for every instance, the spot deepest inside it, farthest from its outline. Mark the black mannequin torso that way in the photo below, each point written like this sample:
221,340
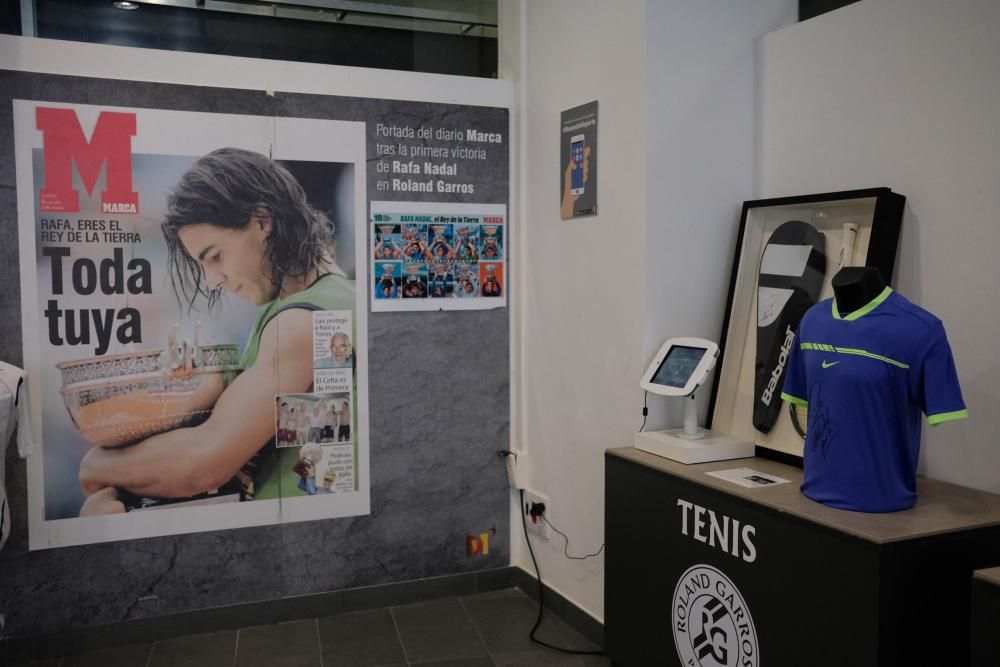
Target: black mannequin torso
856,286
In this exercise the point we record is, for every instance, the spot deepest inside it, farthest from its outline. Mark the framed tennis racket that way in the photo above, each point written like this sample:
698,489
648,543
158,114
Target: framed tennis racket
799,414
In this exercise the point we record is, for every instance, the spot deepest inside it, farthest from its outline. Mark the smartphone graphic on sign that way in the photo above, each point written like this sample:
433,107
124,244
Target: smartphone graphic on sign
576,155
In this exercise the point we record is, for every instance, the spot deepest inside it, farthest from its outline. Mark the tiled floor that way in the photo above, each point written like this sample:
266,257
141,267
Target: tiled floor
488,629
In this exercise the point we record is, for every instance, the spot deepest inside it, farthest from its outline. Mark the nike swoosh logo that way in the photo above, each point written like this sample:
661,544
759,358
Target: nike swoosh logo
832,363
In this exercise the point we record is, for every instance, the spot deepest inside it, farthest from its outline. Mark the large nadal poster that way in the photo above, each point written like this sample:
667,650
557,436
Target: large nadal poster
194,321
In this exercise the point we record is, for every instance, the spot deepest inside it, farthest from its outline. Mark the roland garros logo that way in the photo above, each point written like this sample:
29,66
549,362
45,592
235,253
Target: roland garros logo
711,621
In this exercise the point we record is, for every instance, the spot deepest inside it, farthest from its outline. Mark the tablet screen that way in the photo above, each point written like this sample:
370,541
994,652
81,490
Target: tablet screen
678,365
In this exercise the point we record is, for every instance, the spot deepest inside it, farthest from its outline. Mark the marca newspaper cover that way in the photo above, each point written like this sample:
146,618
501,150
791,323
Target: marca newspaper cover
191,320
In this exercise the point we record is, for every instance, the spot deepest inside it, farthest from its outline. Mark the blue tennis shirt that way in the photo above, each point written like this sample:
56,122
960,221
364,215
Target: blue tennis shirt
865,378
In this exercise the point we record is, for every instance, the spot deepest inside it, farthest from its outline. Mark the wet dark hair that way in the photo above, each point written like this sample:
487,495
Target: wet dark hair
224,188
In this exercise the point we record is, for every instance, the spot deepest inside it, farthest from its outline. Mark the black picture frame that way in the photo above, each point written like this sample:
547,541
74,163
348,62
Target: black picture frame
880,250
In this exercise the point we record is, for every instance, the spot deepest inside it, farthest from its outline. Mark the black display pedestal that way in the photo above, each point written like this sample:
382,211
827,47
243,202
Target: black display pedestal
986,618
744,577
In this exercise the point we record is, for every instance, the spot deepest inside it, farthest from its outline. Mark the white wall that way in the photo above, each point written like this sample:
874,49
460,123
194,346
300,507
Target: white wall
675,86
700,142
581,280
906,94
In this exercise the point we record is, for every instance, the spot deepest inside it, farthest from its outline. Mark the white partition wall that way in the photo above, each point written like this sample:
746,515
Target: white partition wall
700,115
904,94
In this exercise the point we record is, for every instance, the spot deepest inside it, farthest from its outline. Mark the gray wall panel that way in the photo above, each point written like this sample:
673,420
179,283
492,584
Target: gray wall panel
438,396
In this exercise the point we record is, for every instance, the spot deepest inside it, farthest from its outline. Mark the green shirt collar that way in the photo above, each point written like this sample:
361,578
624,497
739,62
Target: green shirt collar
864,310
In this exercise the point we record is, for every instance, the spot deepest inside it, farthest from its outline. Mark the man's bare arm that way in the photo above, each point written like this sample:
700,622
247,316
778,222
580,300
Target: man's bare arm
188,461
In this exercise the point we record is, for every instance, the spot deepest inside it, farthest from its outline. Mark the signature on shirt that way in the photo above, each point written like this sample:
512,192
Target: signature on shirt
821,430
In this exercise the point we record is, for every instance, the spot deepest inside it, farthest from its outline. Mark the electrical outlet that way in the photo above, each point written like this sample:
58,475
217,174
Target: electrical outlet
536,524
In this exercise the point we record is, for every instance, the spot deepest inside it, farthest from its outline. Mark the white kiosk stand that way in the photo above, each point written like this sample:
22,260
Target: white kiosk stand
679,368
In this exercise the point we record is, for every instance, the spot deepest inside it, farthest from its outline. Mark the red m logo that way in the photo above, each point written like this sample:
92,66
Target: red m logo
110,145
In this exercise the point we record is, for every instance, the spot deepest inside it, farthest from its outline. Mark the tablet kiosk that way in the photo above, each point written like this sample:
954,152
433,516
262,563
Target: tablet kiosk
678,369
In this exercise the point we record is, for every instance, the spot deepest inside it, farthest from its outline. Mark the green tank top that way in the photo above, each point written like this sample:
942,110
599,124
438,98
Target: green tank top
260,477
328,292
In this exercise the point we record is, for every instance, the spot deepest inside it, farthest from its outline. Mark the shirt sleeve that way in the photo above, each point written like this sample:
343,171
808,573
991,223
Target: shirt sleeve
794,390
939,391
25,435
